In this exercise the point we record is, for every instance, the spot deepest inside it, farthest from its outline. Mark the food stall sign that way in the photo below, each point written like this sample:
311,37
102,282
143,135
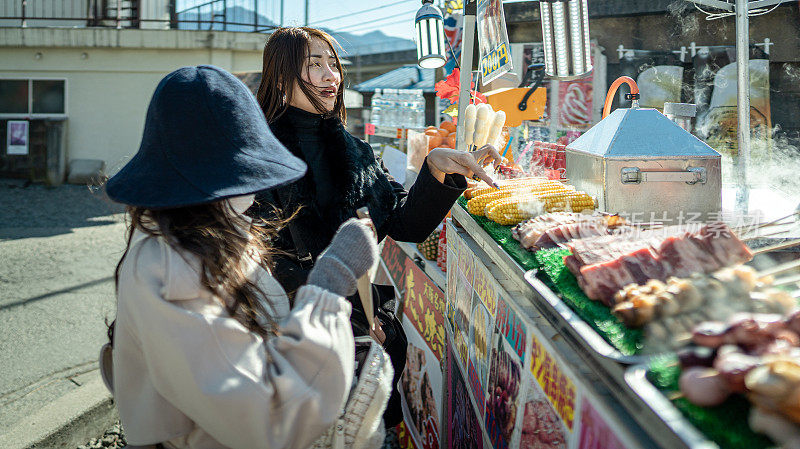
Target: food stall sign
422,379
394,260
424,306
495,51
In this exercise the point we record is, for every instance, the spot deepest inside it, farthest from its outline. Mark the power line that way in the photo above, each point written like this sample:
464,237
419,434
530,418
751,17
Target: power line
348,28
359,12
383,25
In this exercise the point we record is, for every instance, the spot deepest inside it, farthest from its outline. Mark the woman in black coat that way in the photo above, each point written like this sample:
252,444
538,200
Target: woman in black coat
301,94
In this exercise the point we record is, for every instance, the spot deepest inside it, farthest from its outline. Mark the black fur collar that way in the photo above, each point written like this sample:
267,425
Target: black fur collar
357,177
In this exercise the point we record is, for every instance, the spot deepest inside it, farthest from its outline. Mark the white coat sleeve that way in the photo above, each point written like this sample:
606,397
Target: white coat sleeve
241,390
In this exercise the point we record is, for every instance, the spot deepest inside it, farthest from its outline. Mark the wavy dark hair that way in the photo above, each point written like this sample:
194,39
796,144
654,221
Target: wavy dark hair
285,58
221,240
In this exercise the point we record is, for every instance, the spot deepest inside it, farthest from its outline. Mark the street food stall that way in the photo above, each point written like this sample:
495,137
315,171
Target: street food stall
607,293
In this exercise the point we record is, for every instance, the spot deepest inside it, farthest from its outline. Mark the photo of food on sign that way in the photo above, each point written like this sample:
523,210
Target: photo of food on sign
503,398
479,334
495,57
542,428
575,109
419,398
462,305
465,432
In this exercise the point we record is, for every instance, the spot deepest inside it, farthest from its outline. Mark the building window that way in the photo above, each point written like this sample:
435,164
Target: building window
48,97
14,96
32,97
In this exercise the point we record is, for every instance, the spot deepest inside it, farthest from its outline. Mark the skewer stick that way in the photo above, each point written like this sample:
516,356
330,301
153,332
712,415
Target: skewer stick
786,281
774,222
776,247
782,268
364,283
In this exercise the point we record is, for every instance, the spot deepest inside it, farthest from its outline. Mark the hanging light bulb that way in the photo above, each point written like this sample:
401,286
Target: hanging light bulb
429,26
565,33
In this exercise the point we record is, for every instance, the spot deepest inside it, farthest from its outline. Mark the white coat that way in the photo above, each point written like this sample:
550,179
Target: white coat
187,373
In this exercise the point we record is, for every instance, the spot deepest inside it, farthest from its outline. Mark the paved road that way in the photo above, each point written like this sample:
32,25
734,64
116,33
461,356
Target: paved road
58,250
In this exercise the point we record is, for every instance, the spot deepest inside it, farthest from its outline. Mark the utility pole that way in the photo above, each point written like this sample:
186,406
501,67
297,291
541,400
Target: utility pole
307,12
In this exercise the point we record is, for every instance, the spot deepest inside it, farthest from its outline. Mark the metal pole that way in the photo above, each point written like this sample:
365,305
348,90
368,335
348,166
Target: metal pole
743,100
307,12
281,13
24,7
467,45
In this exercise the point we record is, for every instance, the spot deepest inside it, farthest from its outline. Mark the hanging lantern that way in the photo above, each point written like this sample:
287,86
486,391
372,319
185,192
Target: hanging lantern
565,32
429,26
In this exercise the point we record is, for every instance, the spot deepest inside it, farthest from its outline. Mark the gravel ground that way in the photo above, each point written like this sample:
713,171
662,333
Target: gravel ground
111,439
114,438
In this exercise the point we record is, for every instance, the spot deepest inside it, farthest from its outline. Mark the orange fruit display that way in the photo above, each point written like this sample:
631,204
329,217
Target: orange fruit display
449,126
434,141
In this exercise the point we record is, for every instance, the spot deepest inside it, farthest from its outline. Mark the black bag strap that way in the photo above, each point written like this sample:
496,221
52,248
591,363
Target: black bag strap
304,258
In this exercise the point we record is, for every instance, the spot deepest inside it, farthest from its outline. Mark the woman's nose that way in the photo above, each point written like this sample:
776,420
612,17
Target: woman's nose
331,74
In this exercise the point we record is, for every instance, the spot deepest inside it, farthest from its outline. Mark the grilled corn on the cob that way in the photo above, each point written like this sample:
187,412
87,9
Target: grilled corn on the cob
514,209
477,204
509,185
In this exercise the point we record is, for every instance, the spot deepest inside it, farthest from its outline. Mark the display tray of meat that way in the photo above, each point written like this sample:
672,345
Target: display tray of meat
739,381
557,228
668,311
605,264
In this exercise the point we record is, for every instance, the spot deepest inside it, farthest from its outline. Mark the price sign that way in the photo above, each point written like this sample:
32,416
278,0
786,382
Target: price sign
495,60
495,57
369,129
558,388
394,258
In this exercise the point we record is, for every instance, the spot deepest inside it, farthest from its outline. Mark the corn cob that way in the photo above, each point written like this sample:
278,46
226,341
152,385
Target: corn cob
514,209
509,185
477,204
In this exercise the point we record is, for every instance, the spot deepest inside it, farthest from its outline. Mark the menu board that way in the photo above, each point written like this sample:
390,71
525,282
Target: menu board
529,398
423,320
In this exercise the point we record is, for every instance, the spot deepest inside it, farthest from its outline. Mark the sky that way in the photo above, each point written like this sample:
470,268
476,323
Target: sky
393,17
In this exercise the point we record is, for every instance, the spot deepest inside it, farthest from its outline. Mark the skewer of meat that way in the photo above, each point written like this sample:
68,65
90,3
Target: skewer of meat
726,291
604,265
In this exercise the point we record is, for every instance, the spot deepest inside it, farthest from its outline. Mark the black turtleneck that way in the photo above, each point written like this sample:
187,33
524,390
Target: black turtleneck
314,153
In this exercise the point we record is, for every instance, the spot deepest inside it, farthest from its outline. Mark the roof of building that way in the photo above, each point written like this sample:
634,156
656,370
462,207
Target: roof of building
406,77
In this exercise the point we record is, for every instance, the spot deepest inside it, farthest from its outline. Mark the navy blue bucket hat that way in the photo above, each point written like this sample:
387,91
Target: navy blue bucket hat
205,139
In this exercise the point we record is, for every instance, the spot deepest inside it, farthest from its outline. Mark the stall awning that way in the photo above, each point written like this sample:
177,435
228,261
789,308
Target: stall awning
406,77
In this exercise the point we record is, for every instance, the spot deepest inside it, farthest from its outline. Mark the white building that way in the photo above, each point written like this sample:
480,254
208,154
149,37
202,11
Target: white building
81,73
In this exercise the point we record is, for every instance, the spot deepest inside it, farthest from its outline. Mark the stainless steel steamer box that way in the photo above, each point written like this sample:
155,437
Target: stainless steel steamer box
638,163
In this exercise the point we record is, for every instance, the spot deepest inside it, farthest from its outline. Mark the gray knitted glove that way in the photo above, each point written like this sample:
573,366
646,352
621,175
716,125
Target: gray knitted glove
352,252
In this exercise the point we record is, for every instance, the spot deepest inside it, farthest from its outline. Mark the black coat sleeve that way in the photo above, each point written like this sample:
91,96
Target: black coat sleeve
423,207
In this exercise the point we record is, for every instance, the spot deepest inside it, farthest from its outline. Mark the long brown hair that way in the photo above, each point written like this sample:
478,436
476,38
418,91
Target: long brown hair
220,239
285,56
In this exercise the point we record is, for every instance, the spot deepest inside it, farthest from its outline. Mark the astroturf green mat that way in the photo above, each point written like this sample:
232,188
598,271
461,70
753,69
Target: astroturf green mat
598,316
559,279
502,235
725,424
